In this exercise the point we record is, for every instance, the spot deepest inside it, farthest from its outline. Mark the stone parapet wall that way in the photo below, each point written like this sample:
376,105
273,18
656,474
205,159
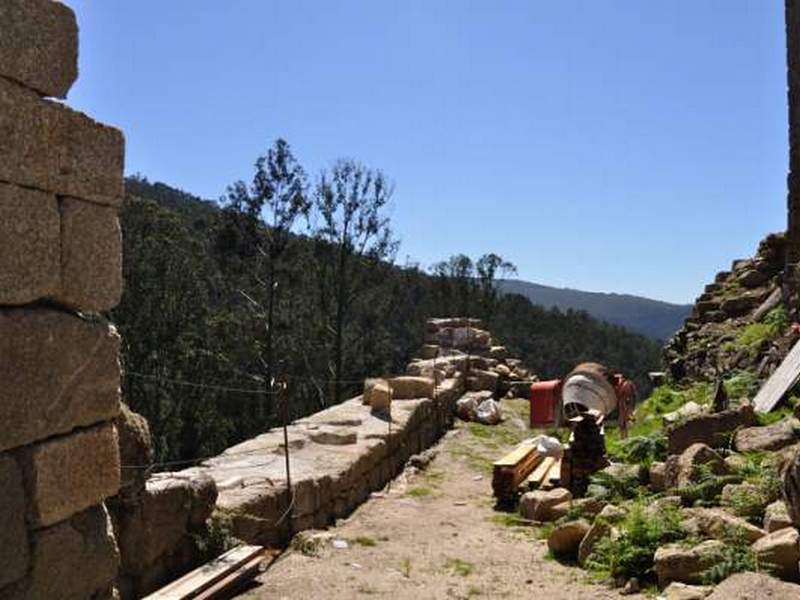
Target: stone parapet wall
61,184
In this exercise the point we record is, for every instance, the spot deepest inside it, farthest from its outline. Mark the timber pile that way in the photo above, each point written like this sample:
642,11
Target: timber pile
217,578
586,453
512,470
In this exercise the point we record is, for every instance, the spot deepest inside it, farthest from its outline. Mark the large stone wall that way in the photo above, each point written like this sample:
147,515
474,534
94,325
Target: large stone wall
61,183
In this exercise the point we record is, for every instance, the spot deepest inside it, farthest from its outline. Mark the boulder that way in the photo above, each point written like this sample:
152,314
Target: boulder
716,523
429,351
681,471
780,550
91,256
479,380
171,507
77,558
409,388
739,306
538,505
502,371
135,450
768,438
498,352
682,591
712,429
752,278
776,517
30,244
599,530
734,493
565,539
791,487
58,372
68,474
378,395
39,45
14,552
686,565
749,586
657,477
50,147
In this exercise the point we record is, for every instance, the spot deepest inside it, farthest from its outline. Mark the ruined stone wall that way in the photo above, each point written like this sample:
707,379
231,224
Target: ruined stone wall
61,183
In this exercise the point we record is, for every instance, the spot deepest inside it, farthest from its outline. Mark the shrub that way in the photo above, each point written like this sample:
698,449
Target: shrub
641,534
645,449
736,556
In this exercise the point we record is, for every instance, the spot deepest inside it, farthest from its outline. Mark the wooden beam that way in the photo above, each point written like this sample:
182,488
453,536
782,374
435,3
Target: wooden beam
512,470
780,383
215,576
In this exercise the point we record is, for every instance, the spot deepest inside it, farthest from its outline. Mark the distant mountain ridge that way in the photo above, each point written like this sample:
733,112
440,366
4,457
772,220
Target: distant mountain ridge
653,318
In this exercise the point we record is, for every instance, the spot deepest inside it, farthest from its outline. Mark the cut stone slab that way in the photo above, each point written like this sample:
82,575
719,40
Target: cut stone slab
408,387
39,45
91,256
52,148
68,474
59,372
74,559
13,533
749,586
30,243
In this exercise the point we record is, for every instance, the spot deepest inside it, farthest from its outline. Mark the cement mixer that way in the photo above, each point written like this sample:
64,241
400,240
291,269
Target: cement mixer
589,386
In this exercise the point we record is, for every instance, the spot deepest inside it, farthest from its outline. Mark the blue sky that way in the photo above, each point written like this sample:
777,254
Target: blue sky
609,145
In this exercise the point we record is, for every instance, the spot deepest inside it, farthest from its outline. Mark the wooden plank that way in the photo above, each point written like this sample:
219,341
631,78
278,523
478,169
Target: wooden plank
229,583
553,477
512,470
538,476
781,382
205,577
515,456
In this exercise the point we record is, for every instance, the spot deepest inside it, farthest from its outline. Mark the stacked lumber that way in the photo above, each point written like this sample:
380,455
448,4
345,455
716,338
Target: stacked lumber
217,577
511,471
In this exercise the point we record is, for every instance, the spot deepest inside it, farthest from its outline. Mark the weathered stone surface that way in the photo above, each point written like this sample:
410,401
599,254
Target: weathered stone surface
58,371
713,429
657,477
716,523
50,147
681,470
682,591
135,449
686,565
39,45
91,256
166,512
333,436
377,394
749,586
13,533
565,539
429,351
407,387
30,243
791,487
776,517
480,380
781,550
68,474
768,438
599,530
538,505
74,560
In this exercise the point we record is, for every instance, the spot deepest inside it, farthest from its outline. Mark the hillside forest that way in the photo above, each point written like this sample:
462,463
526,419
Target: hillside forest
288,277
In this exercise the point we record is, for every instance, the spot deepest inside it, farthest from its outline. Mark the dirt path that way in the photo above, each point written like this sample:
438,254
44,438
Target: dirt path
433,534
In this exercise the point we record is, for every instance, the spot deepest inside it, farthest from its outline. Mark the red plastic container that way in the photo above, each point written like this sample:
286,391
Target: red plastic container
545,396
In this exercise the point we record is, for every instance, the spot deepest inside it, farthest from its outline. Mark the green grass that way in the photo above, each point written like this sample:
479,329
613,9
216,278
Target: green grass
366,541
405,568
773,325
459,567
420,491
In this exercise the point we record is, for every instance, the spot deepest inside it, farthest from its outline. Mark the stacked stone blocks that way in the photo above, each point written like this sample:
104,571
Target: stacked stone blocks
61,185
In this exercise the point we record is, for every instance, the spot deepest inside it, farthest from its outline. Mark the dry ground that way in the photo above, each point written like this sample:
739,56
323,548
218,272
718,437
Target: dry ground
434,534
